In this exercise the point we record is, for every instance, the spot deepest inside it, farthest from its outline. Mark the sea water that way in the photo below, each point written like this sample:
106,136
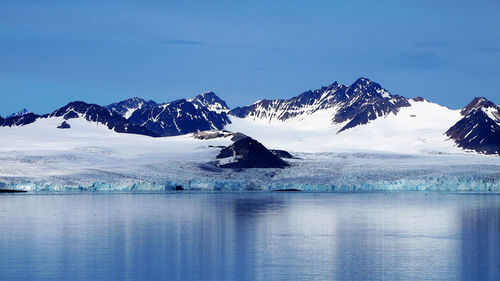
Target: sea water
249,235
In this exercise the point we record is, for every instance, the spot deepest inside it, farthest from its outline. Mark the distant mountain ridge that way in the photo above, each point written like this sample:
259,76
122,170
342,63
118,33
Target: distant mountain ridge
346,107
203,112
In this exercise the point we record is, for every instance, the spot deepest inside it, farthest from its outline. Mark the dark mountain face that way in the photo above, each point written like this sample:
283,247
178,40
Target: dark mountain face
97,113
479,129
359,103
368,102
249,153
178,117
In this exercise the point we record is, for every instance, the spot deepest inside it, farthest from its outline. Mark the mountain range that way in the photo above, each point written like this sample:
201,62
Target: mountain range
363,111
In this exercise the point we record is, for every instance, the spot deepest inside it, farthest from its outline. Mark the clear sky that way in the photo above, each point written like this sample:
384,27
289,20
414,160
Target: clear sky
54,52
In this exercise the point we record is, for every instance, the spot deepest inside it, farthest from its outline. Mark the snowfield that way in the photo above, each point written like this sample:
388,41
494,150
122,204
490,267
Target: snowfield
418,129
407,151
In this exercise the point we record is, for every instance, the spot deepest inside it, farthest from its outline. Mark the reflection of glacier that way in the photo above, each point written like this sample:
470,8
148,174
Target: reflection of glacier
338,172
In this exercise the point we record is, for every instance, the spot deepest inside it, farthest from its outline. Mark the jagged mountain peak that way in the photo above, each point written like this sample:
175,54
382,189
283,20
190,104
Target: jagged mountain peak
209,100
367,88
21,112
478,103
362,82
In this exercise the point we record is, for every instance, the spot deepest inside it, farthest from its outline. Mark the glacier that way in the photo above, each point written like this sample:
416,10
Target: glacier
332,172
90,157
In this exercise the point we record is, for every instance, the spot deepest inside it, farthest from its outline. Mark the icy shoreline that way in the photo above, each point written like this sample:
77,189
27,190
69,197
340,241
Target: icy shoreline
476,184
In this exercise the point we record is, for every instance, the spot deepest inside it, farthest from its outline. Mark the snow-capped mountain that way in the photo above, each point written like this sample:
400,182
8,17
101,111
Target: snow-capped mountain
203,112
210,101
352,105
178,118
479,129
126,107
21,112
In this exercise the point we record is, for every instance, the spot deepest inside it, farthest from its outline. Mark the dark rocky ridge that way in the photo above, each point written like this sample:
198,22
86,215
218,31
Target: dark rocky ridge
283,109
178,118
249,153
123,107
97,113
20,120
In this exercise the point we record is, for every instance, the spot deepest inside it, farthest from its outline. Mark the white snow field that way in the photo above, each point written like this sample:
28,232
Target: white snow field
407,151
418,129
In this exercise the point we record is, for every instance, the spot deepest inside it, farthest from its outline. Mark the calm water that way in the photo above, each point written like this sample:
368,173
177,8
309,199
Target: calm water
287,236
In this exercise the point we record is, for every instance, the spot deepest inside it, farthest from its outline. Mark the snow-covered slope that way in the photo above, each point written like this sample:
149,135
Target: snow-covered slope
417,128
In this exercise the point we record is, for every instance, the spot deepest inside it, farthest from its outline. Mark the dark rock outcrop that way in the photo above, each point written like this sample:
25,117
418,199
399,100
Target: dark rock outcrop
249,153
64,125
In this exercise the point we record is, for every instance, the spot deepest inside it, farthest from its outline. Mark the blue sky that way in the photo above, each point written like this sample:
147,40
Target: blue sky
54,52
